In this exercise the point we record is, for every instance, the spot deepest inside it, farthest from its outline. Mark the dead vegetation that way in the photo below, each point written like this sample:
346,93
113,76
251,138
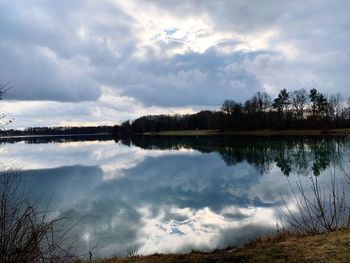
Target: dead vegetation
286,247
28,233
319,208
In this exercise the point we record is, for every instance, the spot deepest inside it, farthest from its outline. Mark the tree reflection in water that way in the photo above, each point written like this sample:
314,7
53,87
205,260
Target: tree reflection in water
300,155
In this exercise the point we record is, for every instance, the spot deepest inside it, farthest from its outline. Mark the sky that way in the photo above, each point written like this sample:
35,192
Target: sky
97,62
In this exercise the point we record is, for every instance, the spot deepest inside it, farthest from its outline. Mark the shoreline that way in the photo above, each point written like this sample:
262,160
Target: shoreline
323,132
284,247
53,135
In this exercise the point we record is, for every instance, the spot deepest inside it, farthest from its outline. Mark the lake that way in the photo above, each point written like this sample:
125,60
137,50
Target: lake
163,194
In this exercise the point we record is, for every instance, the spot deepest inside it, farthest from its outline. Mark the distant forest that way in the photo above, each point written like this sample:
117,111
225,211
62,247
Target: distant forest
299,109
58,131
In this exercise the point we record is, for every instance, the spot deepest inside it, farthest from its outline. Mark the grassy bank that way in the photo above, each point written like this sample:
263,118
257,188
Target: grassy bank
329,247
253,132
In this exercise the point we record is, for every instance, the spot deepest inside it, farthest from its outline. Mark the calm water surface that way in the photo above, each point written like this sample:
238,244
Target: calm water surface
171,194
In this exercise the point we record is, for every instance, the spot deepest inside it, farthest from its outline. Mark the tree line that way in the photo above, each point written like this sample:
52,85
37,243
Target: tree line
58,131
299,109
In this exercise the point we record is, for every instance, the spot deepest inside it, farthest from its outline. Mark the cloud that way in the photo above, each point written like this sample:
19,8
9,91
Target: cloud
156,200
190,79
307,41
127,211
163,54
52,51
109,109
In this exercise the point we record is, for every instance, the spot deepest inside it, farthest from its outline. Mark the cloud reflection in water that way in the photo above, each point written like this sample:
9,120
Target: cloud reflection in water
155,200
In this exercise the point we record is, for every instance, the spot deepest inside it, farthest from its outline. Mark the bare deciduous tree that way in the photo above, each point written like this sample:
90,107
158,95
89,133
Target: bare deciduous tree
299,101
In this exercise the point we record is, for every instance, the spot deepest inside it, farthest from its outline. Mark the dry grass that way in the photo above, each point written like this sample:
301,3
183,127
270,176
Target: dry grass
28,233
328,247
287,247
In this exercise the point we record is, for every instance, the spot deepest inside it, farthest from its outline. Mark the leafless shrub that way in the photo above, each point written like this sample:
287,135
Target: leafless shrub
28,234
323,209
133,254
4,120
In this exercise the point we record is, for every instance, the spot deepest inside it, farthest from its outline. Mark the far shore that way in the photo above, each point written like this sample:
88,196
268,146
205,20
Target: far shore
323,132
52,135
267,132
